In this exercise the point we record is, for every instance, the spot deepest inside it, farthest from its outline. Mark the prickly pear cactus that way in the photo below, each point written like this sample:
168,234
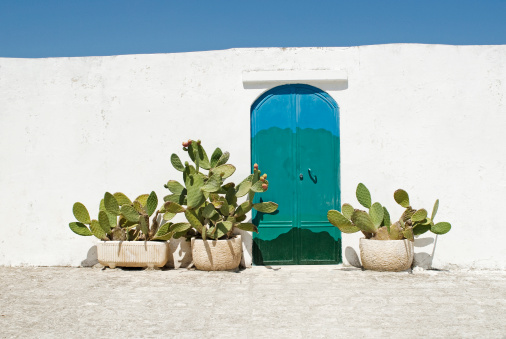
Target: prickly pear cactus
121,219
210,205
353,220
418,220
376,224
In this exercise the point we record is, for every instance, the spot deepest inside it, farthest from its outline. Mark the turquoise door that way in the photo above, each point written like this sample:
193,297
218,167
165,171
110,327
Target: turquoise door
295,140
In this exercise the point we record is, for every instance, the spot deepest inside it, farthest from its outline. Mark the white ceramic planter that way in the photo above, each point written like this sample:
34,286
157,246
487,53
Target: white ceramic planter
180,253
217,255
133,253
386,255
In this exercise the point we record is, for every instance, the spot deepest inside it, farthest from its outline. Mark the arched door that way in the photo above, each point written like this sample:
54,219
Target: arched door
295,140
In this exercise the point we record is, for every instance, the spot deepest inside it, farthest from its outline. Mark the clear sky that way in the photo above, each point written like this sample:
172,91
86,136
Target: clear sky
65,28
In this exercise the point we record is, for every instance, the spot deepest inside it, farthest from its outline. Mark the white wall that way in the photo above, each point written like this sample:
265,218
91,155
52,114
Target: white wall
426,118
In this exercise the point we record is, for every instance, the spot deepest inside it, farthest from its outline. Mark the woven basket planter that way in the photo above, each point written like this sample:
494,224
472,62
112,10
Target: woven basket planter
386,255
217,255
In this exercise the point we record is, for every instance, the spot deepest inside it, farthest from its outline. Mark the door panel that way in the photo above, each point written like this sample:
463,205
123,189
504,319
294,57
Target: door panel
273,150
318,158
294,129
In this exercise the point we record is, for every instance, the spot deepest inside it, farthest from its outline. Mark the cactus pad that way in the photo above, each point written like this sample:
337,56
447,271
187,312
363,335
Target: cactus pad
245,207
176,162
266,207
202,156
175,187
396,231
419,215
376,214
363,195
81,213
248,227
221,229
243,188
363,221
341,222
402,198
122,199
223,159
80,229
213,184
441,228
408,213
215,157
142,199
168,216
111,204
420,229
164,229
97,230
151,203
192,218
180,227
103,220
139,207
257,187
164,237
130,213
347,210
226,169
408,233
434,209
382,234
144,223
173,207
386,219
195,196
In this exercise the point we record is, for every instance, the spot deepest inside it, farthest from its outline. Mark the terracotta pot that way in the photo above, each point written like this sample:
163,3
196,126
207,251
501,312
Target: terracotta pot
217,255
133,253
386,255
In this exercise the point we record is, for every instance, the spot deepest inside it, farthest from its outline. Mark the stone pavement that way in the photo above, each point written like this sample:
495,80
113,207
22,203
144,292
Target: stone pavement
262,302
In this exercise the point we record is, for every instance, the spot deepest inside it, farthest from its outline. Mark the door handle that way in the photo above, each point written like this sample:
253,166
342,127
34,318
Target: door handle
311,176
301,176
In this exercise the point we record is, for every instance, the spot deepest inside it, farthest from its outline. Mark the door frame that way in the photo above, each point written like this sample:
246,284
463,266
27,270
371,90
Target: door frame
333,104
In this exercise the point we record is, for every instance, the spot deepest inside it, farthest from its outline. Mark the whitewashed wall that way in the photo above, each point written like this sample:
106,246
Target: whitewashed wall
426,118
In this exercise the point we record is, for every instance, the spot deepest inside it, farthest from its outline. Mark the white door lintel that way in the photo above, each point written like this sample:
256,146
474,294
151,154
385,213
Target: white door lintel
266,79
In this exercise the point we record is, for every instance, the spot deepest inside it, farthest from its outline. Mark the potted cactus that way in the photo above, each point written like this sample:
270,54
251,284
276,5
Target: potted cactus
387,246
128,237
211,206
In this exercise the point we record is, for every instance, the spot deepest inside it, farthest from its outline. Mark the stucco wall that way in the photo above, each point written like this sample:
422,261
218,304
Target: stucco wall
426,118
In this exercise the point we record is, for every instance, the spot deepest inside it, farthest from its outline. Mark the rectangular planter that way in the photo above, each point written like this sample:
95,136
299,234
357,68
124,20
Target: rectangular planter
133,253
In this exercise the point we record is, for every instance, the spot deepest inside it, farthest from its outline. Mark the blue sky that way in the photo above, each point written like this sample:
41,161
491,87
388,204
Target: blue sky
65,28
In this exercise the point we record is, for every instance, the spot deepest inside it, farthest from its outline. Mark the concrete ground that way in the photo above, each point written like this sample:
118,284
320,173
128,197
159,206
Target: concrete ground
277,302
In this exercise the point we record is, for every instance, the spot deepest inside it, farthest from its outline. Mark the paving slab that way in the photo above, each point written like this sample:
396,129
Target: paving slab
261,302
